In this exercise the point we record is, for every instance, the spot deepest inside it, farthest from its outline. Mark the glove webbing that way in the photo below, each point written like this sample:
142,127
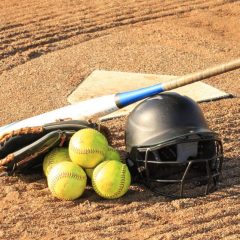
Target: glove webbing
21,131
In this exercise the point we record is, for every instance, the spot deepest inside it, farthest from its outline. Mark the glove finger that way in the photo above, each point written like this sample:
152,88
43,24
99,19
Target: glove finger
69,125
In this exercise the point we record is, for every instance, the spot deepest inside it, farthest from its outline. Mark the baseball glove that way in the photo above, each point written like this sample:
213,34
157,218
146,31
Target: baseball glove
24,149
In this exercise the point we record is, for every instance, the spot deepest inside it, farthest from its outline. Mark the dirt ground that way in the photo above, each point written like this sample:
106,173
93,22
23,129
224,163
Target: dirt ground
48,47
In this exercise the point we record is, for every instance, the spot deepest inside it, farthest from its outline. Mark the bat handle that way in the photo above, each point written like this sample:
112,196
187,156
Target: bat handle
200,75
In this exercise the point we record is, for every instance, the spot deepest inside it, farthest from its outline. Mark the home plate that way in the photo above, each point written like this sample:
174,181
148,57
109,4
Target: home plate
101,82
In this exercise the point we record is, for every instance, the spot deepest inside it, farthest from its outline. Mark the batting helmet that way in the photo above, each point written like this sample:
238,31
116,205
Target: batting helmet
168,141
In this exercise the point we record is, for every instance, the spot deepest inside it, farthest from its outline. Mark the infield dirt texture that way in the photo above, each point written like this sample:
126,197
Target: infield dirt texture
48,47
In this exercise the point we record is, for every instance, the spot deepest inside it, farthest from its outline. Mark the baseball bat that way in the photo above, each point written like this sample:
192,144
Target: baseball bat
101,106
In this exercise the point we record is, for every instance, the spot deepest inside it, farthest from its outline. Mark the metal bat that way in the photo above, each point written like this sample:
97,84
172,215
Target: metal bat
104,105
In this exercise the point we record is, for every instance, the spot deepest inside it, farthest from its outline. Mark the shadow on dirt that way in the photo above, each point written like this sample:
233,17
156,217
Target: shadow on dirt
228,188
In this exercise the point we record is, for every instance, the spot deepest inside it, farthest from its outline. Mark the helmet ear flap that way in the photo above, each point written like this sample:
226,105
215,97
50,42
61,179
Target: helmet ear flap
134,170
206,149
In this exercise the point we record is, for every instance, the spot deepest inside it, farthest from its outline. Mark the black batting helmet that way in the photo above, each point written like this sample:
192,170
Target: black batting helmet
168,141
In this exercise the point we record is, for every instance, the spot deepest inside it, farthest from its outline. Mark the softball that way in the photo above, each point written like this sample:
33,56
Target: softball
57,155
88,147
111,154
89,172
111,179
67,181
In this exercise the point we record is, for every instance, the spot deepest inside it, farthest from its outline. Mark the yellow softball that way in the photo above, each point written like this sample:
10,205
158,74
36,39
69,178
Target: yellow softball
111,154
67,181
89,172
88,147
53,157
111,179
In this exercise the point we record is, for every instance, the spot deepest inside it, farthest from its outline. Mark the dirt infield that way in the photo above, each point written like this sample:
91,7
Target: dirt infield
48,47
